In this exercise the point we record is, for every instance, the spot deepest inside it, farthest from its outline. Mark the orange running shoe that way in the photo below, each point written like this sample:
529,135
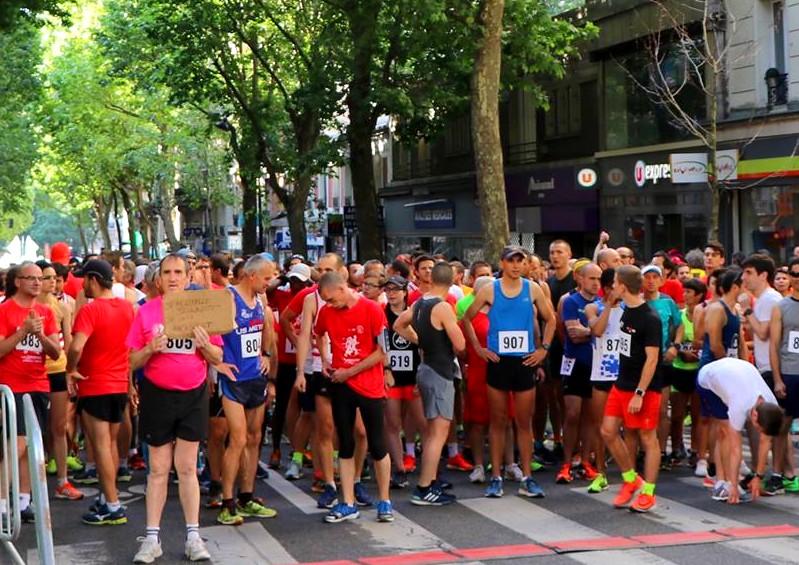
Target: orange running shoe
409,463
564,476
68,492
644,503
458,463
589,472
627,492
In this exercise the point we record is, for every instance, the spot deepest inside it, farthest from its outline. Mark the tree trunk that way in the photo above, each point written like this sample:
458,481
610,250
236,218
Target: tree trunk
363,30
133,221
102,207
82,233
295,209
485,131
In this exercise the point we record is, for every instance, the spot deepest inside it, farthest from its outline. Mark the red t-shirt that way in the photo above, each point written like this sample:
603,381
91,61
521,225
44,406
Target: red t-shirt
353,336
287,353
477,366
22,369
673,288
104,362
73,285
415,295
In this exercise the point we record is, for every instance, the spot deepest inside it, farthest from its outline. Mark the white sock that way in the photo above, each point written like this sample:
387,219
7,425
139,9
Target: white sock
114,506
24,500
152,533
410,448
62,482
192,531
452,448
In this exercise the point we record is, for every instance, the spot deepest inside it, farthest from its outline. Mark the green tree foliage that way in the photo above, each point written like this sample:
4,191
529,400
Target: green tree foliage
23,12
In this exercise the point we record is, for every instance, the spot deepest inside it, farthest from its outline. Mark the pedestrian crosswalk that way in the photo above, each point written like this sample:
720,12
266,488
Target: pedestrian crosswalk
569,526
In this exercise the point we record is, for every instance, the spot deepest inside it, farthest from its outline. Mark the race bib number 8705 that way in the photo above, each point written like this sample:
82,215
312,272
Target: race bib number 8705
513,342
250,344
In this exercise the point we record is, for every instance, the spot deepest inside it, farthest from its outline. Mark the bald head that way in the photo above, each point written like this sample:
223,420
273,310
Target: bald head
608,259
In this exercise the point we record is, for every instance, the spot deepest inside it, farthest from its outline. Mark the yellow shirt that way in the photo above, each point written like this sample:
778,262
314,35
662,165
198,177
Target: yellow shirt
60,364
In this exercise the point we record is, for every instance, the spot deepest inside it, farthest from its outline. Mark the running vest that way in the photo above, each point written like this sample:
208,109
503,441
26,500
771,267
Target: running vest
313,364
789,345
435,345
605,365
403,356
243,345
510,330
729,338
687,338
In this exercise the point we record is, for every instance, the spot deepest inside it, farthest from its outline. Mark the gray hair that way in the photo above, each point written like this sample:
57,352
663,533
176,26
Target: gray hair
178,256
255,264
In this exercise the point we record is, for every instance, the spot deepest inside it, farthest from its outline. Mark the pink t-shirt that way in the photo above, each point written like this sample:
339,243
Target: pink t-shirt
181,366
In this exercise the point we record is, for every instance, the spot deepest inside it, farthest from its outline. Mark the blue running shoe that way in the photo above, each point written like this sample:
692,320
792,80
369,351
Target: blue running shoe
530,488
362,497
328,498
431,496
494,489
105,517
342,512
385,513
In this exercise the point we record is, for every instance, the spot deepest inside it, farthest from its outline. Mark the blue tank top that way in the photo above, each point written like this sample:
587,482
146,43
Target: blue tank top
729,338
510,330
243,345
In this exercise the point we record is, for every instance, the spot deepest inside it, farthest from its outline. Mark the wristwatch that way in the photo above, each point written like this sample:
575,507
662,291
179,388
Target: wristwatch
640,392
546,346
747,312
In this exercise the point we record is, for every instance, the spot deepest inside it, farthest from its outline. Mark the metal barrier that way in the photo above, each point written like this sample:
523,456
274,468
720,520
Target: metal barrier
9,474
9,479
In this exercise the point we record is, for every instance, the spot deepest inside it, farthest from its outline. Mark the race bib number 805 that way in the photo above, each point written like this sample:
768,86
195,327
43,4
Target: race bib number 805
250,344
180,346
513,342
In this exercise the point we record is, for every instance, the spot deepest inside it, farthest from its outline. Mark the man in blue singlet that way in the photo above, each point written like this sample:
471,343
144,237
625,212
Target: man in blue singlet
246,364
513,360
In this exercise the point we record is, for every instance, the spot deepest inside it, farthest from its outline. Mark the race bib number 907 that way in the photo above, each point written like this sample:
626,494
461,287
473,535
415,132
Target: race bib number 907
250,345
513,342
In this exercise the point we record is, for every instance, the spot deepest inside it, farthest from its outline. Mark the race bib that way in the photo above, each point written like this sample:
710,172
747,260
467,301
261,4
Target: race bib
793,342
30,344
513,342
625,340
290,347
401,360
251,344
732,351
180,346
567,366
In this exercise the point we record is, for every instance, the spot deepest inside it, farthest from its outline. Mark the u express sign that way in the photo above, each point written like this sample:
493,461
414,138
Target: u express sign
643,172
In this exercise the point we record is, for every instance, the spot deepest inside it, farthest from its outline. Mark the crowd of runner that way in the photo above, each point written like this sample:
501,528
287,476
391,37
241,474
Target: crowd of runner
498,371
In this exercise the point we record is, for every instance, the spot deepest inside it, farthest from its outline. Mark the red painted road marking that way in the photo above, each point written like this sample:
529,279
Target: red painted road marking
680,538
421,558
593,544
501,551
761,531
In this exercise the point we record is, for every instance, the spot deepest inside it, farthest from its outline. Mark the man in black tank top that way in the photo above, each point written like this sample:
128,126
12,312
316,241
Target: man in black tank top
432,324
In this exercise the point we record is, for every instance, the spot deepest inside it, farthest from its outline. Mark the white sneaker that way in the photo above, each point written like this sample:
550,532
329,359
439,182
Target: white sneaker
293,473
745,470
149,551
478,474
195,550
514,473
701,468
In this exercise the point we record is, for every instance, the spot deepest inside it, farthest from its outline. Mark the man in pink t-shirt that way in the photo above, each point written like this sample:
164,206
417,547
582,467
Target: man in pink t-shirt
173,416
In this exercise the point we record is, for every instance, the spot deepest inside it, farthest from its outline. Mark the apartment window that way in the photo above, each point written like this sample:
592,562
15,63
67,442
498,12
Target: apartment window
778,14
336,202
563,117
458,136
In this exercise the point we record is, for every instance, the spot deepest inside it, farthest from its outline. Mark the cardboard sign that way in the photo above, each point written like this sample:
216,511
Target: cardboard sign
212,309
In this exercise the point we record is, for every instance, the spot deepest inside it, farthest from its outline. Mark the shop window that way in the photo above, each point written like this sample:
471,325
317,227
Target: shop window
767,216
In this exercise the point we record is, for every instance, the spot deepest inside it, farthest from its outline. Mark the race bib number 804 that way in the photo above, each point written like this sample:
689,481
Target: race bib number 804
250,344
513,342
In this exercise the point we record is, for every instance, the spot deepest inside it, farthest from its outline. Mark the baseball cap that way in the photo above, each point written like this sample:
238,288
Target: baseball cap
652,269
300,271
397,281
96,267
187,253
512,250
138,275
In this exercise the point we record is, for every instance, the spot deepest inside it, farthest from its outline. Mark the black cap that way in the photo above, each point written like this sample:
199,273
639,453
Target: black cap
397,281
97,267
511,250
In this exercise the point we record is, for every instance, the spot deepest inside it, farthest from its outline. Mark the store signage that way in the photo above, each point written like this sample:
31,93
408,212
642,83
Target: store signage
616,177
438,215
535,185
688,168
643,172
726,164
586,178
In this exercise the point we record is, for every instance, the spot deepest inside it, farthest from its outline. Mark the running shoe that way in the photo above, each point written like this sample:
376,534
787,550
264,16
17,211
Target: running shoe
329,498
443,483
195,550
531,489
318,484
478,474
27,515
644,503
51,468
564,476
103,516
275,459
599,484
362,497
701,468
74,464
744,497
213,502
255,509
262,471
494,489
229,518
627,492
294,472
709,482
458,463
137,462
678,457
513,473
536,465
307,459
123,475
88,477
68,492
721,492
791,485
773,486
665,462
586,471
431,496
744,469
342,512
545,454
149,550
399,480
692,458
409,463
385,513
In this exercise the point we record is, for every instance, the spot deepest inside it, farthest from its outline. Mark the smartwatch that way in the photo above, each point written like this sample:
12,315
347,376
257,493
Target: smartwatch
640,392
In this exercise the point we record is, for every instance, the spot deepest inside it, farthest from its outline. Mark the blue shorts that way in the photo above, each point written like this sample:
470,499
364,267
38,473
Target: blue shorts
711,406
250,394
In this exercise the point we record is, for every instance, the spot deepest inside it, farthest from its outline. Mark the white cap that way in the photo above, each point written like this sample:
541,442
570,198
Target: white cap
300,271
138,276
652,268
